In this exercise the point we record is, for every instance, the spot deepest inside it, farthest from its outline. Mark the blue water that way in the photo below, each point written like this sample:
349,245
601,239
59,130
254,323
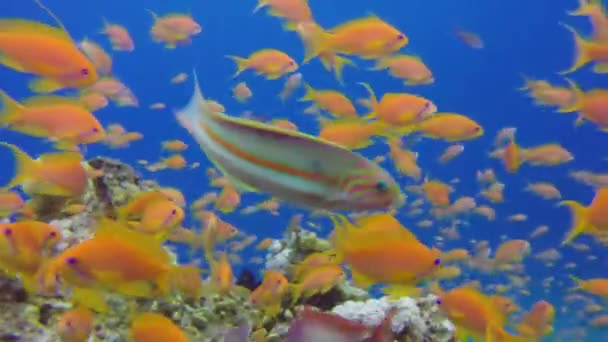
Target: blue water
521,37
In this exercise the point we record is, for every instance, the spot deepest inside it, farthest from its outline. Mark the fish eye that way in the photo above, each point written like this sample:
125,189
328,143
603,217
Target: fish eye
381,186
7,231
400,37
71,261
84,72
174,212
53,234
437,262
439,301
477,129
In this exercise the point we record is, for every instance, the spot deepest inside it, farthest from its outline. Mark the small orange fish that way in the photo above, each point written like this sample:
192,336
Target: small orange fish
471,39
221,278
537,323
55,174
450,127
404,159
97,55
60,119
241,92
293,11
318,280
119,36
174,29
411,69
398,109
271,63
332,101
150,326
368,37
270,293
75,325
349,133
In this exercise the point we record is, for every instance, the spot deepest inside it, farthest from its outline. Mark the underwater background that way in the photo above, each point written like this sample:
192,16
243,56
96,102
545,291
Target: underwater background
521,37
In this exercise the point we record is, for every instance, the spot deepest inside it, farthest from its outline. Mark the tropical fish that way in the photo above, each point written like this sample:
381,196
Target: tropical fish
289,165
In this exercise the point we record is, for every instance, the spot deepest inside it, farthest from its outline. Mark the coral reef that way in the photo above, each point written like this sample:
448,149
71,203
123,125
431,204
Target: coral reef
33,318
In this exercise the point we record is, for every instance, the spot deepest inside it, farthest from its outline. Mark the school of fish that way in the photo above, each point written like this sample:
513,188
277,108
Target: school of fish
326,174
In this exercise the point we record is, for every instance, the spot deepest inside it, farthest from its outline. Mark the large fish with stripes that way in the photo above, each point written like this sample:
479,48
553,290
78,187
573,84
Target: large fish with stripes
294,167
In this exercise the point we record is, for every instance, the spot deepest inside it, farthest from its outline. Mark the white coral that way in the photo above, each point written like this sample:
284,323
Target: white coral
408,316
278,259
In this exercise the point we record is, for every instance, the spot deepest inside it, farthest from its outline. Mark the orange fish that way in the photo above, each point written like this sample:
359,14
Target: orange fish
241,92
119,36
512,157
471,39
270,293
368,37
93,101
98,56
537,323
62,120
410,69
174,145
404,159
437,192
398,109
23,246
271,63
293,11
594,286
318,280
349,133
46,51
474,314
221,278
384,258
291,84
592,219
55,174
75,325
116,259
228,199
332,101
311,262
154,327
450,127
596,13
174,29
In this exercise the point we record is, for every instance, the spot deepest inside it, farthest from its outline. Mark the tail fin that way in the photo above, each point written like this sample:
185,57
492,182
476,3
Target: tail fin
309,95
9,109
581,51
316,40
370,102
579,220
578,283
241,64
261,4
25,166
578,97
335,62
585,8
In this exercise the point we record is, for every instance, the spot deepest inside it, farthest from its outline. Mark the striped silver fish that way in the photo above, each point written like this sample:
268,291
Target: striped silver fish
292,166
